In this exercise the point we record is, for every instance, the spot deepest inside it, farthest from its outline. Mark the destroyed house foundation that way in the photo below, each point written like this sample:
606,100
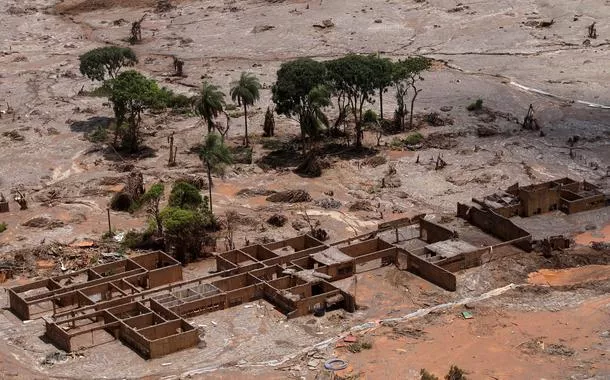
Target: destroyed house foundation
565,194
142,301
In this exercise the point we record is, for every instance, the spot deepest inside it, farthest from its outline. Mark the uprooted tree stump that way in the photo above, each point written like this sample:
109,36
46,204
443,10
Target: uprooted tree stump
277,220
269,124
530,123
136,31
178,67
592,31
172,150
3,204
20,199
312,166
391,179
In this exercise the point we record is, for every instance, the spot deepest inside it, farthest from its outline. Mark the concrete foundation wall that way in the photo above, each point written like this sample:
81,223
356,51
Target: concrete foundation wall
496,225
174,343
430,272
431,232
163,276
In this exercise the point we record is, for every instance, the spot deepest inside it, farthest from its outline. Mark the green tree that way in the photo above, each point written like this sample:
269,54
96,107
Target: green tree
405,74
152,199
101,62
131,93
184,195
312,119
210,103
214,154
245,92
184,231
354,75
383,68
300,92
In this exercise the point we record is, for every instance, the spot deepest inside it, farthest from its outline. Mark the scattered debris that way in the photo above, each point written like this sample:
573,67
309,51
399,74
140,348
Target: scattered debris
254,192
391,178
592,31
467,315
14,135
545,24
277,220
486,131
361,205
328,203
262,28
290,196
312,166
335,364
328,23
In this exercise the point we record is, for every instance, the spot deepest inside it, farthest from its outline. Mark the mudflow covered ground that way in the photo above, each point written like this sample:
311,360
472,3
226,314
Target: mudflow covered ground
552,324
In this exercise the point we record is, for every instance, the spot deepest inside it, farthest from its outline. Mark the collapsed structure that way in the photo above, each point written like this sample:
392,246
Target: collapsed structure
564,194
143,300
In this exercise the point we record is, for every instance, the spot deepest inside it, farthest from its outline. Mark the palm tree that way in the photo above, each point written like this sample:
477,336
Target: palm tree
312,119
245,92
214,153
210,103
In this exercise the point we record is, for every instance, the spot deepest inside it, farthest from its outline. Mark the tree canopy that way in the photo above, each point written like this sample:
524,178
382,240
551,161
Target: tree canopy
245,92
355,76
210,103
383,68
131,93
152,199
184,231
103,62
405,74
214,153
301,92
184,195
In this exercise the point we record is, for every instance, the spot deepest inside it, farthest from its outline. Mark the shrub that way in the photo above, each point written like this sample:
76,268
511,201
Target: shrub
185,196
121,202
241,154
455,373
476,105
134,239
184,231
102,91
413,139
100,134
425,375
3,227
370,116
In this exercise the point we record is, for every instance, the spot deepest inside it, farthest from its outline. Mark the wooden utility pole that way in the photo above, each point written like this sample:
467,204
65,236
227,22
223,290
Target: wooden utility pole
109,225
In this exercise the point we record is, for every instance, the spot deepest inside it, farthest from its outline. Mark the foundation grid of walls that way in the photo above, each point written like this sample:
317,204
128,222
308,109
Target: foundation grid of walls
143,300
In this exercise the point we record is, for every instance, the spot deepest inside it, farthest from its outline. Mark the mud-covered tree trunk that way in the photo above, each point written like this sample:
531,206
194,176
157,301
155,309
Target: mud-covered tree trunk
246,141
415,93
210,185
380,103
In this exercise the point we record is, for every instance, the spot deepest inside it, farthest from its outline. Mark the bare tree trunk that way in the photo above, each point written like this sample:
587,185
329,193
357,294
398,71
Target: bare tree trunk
416,92
210,186
380,103
247,143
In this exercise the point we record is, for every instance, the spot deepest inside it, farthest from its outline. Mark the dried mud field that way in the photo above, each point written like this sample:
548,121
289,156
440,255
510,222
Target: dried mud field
553,321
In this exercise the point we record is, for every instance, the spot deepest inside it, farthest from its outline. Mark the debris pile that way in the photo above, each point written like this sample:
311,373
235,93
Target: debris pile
290,196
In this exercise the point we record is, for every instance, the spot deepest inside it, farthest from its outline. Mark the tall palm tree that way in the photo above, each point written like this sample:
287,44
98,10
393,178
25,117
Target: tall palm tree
245,92
214,153
210,103
311,117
